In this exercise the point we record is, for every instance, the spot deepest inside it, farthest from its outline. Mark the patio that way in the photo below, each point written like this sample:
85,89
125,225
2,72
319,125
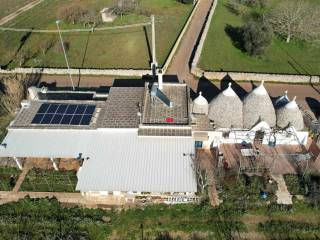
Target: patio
281,159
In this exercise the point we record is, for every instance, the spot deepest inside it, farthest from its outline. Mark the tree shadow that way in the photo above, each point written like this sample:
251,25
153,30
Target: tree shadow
85,52
314,105
208,89
240,91
23,41
236,36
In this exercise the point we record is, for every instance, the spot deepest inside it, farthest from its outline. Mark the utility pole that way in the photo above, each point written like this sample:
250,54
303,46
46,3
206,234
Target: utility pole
154,63
65,55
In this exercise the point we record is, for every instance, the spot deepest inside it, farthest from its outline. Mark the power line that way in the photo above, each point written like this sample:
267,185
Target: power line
73,30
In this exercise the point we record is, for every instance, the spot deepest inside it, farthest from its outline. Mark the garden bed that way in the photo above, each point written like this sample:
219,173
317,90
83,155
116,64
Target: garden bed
38,180
245,192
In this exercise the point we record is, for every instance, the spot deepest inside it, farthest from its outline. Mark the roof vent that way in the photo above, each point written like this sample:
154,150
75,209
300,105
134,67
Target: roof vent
25,104
157,93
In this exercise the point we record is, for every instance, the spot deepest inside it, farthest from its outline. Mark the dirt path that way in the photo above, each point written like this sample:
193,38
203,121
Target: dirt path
180,63
21,179
19,11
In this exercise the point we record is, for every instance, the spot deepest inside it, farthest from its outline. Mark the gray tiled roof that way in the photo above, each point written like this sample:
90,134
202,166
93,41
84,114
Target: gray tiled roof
201,123
121,108
164,132
157,112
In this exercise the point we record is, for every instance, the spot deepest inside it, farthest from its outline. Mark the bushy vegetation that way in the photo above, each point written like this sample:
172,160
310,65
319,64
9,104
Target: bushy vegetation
257,37
39,180
39,219
277,229
8,178
244,193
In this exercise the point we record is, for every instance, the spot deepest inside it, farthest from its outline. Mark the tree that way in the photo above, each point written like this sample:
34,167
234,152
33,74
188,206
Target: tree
14,90
202,175
124,7
256,37
71,13
296,19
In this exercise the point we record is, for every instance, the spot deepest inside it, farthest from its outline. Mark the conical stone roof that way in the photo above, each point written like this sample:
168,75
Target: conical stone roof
257,106
226,109
282,100
200,105
290,115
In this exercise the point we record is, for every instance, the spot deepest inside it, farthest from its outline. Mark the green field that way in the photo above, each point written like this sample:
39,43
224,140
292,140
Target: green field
122,48
221,54
9,6
38,180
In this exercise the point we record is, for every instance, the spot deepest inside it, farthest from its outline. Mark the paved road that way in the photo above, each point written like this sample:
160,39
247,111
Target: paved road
180,63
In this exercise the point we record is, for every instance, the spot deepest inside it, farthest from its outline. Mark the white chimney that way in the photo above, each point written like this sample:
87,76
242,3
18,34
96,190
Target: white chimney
160,79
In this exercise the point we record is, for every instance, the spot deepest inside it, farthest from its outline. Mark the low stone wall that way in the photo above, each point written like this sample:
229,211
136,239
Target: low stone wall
198,52
177,43
63,71
268,77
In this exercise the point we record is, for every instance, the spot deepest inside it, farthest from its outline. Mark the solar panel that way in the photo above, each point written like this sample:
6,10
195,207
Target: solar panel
64,114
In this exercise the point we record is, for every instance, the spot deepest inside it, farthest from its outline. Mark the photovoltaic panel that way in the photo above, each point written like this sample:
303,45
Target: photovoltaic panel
64,114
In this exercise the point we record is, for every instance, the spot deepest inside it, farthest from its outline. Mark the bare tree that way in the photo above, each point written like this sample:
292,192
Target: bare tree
296,19
14,91
202,175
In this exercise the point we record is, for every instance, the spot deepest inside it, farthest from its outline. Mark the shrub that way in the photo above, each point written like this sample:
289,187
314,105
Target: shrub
186,1
256,37
71,13
14,91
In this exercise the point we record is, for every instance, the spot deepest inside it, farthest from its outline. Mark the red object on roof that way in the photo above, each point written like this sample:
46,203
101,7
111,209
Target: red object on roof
169,119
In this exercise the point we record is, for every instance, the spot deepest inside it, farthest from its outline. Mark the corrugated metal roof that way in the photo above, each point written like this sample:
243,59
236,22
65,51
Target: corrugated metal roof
119,160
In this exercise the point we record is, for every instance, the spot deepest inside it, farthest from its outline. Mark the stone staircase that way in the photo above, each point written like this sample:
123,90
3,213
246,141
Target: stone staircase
283,195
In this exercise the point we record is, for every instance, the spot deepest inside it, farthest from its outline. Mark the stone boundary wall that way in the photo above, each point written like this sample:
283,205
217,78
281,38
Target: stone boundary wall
64,71
242,76
198,52
268,77
177,42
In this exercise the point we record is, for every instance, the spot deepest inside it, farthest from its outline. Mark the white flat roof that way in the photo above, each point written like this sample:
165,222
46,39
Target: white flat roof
119,160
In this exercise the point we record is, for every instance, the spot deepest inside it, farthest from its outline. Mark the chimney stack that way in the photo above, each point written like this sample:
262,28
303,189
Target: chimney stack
160,79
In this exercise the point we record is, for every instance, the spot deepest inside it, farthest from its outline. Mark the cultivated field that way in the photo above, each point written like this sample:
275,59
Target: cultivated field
9,6
221,54
125,48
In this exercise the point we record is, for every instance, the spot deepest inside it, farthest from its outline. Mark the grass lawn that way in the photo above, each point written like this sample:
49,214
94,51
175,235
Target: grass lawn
122,48
39,180
221,54
9,6
6,184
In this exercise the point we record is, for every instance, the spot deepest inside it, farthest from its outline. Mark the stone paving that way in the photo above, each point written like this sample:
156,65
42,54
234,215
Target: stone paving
283,195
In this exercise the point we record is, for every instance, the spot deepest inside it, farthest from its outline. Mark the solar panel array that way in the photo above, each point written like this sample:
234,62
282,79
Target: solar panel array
64,114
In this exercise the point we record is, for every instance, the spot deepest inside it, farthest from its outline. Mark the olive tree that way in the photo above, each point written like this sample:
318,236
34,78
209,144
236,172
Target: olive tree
256,37
298,19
